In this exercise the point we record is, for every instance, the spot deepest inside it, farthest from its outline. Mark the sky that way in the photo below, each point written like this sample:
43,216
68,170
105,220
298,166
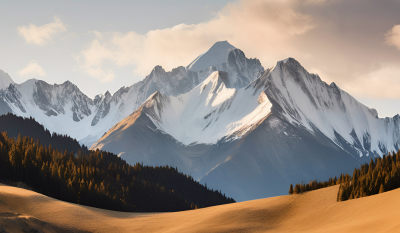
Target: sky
102,45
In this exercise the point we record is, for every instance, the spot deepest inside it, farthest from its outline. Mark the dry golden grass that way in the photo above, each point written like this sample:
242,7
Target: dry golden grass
315,211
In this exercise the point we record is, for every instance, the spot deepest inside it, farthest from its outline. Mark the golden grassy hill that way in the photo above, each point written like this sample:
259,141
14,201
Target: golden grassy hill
315,211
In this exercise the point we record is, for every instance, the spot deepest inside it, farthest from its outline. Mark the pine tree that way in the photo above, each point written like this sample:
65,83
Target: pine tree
381,189
339,194
297,189
291,189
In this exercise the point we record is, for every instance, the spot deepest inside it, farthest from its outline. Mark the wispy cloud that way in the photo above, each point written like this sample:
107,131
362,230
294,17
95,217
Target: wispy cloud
32,69
40,35
335,38
384,82
393,36
270,22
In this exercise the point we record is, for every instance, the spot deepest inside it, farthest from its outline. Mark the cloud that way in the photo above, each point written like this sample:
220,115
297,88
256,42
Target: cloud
40,35
393,36
270,22
341,40
93,59
384,82
33,69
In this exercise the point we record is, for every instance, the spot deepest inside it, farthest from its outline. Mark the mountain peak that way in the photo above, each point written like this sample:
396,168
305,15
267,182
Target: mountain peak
157,69
68,84
289,61
225,45
293,68
217,54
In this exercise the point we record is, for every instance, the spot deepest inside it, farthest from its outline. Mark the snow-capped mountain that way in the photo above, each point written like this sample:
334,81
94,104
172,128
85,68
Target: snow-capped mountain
222,56
208,112
215,56
223,119
61,108
307,101
287,126
64,109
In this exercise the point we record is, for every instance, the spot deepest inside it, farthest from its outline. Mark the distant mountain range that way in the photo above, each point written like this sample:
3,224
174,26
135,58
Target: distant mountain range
223,119
63,108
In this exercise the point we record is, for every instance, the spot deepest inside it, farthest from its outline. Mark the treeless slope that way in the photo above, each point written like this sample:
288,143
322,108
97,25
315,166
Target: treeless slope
315,211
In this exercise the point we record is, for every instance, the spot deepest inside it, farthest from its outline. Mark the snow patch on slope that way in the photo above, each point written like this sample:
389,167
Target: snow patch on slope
211,111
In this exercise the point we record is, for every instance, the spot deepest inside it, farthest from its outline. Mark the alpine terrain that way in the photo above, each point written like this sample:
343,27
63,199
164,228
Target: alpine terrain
223,119
254,140
64,109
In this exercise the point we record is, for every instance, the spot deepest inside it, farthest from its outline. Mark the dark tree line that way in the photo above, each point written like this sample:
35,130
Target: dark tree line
100,179
15,125
379,175
312,185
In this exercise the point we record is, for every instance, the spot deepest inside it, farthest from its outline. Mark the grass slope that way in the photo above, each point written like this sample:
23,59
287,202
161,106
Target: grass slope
315,211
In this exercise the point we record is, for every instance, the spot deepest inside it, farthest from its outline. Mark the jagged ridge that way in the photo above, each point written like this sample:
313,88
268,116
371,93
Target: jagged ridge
65,109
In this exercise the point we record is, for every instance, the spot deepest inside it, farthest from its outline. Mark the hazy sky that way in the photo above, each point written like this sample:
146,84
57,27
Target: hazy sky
103,45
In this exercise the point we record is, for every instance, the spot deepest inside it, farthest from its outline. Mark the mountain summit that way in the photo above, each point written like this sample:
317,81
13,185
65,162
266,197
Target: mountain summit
223,56
215,56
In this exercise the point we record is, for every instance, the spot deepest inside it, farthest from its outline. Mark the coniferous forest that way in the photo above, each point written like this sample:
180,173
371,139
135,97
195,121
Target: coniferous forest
379,175
15,125
312,185
97,178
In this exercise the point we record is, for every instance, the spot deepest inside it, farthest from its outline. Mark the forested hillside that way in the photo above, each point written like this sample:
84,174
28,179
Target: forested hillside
379,175
15,125
97,178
